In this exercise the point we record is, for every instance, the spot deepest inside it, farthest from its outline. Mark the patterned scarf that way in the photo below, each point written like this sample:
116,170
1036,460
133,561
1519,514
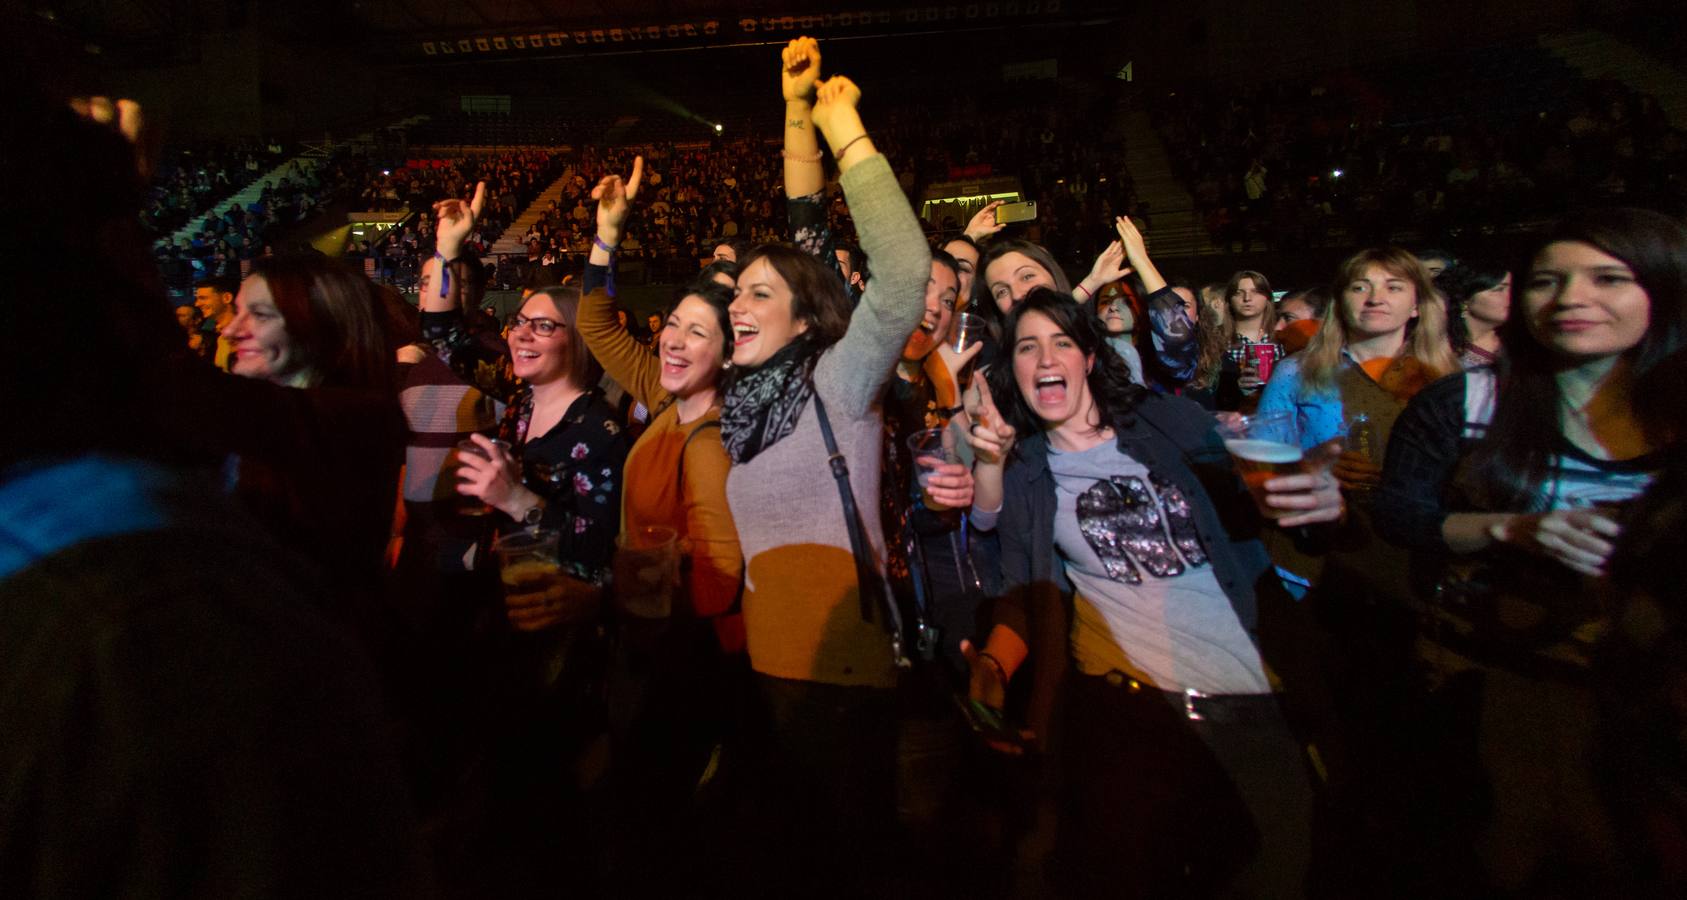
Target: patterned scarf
763,404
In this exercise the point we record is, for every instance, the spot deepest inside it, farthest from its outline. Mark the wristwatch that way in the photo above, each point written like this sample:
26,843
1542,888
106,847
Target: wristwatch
533,515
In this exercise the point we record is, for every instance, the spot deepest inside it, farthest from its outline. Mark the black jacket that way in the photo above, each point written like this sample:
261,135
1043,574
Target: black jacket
1175,438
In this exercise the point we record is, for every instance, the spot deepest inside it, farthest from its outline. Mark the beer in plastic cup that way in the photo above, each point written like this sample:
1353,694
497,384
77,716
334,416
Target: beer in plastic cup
647,571
529,567
1263,448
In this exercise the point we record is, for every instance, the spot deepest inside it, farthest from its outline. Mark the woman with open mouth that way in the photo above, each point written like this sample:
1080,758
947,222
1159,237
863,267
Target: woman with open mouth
824,673
674,685
1123,507
558,465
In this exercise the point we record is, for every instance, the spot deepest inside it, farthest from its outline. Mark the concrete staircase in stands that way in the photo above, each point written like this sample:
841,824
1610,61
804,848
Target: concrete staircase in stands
246,196
1175,231
510,241
1596,54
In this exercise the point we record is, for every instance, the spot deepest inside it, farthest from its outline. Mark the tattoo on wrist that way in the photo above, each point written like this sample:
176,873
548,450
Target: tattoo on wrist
798,124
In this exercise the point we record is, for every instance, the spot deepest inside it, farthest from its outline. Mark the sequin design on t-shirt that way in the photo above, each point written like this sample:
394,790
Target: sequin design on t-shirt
1126,527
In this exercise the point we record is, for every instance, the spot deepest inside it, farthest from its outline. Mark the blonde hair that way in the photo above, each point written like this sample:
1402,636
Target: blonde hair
1426,343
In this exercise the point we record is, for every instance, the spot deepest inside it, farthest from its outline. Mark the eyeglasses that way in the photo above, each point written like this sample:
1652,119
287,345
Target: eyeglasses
541,327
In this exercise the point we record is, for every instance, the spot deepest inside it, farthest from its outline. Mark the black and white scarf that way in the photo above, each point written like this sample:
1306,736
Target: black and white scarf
764,403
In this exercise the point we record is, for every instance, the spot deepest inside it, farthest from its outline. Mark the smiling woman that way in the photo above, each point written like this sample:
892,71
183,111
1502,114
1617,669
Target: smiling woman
562,470
1512,488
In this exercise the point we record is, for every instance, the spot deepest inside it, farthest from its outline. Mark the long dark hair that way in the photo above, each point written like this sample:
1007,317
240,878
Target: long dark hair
986,304
332,315
1115,395
1460,282
1515,458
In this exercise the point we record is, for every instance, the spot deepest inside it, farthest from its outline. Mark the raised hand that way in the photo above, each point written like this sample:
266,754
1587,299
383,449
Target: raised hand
800,69
456,221
835,111
1109,267
1136,253
614,201
991,437
1136,246
126,116
983,223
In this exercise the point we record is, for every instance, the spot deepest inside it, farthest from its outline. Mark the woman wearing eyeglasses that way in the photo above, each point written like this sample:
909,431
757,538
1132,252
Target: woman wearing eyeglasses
562,466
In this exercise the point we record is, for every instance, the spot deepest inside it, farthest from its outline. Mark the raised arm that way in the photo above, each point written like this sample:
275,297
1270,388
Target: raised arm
857,367
799,75
805,180
624,358
479,359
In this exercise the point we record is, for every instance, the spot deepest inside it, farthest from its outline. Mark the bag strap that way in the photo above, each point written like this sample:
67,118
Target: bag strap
866,574
679,478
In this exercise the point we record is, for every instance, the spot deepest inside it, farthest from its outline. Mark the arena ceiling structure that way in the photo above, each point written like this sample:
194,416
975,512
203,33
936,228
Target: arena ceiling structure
142,32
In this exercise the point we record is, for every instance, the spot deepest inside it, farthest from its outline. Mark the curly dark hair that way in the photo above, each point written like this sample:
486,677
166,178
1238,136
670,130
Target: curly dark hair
1115,395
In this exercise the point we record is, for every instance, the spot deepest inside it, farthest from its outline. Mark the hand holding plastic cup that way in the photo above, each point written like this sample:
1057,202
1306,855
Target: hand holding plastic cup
1264,447
469,506
537,594
931,448
967,331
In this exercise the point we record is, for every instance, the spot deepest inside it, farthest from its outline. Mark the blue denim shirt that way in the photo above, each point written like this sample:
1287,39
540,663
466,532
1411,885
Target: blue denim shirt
1317,410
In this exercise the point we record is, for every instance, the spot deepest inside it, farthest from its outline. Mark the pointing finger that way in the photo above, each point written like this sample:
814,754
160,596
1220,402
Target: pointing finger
479,201
638,176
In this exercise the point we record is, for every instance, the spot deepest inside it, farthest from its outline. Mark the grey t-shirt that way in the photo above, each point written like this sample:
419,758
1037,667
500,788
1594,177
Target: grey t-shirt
1147,601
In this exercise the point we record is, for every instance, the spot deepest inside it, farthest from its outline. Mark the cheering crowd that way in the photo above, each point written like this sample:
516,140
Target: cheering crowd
896,566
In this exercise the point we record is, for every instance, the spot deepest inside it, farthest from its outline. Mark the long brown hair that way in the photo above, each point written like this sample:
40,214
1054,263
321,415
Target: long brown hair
1426,343
1269,323
1515,458
1214,330
330,313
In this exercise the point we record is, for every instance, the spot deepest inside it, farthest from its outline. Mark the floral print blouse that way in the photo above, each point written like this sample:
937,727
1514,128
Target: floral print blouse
575,466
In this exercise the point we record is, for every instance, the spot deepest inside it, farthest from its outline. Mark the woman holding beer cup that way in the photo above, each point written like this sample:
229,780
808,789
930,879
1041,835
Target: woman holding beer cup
1127,502
1386,339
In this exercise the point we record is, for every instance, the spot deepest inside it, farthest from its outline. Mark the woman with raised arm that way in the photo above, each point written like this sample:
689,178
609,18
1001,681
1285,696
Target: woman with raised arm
1012,269
676,470
809,375
1123,506
1511,488
558,463
673,691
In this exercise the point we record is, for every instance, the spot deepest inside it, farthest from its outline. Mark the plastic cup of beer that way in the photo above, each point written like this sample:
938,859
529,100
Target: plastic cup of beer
929,449
647,571
531,571
469,506
1264,447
